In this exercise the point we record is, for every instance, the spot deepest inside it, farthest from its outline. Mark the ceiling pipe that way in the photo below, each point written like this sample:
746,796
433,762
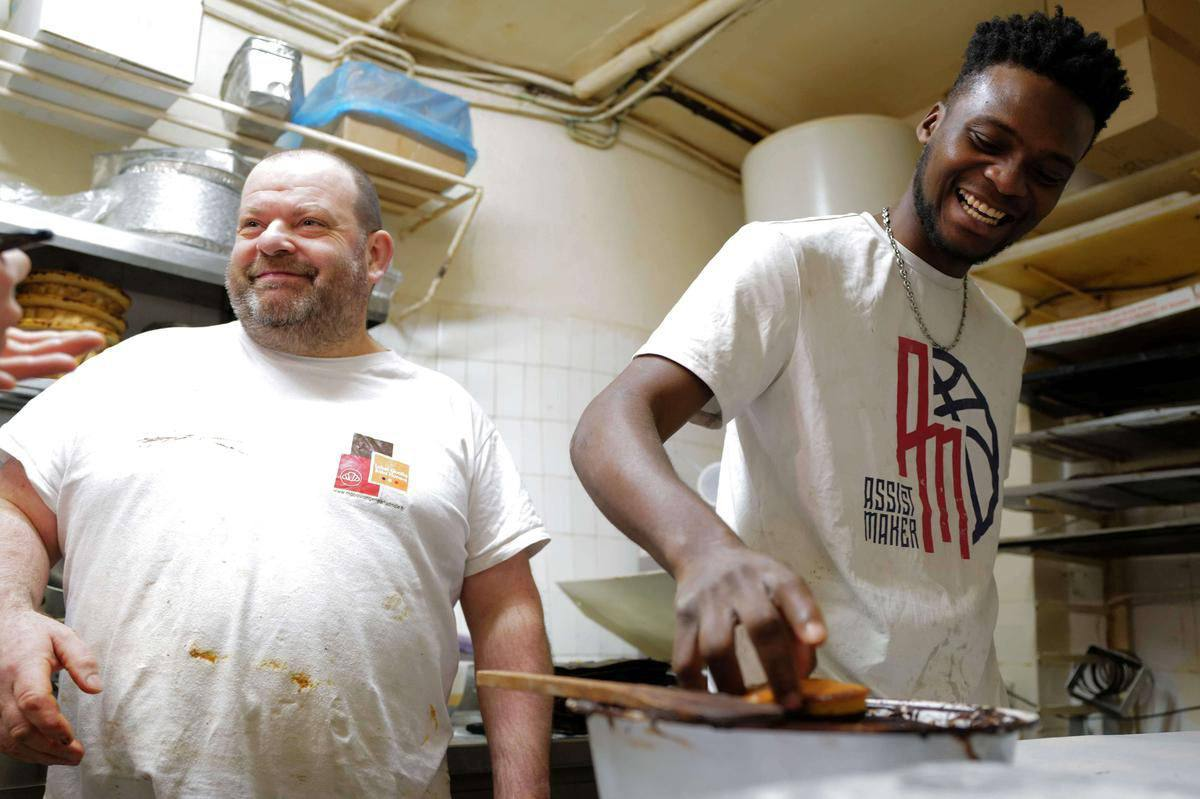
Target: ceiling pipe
348,22
654,47
387,17
632,99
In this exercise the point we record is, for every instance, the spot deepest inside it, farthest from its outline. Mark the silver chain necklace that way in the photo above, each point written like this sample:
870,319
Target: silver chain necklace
912,300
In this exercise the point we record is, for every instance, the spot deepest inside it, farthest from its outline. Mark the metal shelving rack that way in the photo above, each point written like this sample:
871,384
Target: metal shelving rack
165,268
1176,537
1120,438
1141,385
435,204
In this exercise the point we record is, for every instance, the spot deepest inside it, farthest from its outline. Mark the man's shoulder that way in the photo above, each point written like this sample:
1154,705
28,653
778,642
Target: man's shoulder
833,238
162,346
813,229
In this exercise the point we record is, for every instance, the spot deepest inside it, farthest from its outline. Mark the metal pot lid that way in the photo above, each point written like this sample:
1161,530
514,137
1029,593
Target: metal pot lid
227,167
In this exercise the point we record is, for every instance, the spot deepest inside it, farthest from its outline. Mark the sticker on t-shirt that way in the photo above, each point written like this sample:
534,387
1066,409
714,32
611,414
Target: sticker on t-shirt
369,469
947,440
387,471
365,446
352,474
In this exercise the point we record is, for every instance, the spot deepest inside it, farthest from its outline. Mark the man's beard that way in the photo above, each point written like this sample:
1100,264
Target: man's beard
329,313
927,214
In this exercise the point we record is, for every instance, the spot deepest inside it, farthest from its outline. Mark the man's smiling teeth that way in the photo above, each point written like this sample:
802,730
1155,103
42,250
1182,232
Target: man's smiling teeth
977,209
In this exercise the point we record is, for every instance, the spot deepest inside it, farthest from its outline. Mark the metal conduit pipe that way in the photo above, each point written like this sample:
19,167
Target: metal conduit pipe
483,82
388,16
597,112
654,47
675,62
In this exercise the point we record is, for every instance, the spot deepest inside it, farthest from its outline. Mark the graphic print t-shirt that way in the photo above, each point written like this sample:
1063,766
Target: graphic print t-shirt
868,461
264,552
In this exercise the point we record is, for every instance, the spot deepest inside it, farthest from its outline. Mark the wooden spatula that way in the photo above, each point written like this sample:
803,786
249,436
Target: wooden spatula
673,703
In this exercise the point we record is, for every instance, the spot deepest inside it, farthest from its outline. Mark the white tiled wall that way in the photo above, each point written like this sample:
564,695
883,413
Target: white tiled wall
534,374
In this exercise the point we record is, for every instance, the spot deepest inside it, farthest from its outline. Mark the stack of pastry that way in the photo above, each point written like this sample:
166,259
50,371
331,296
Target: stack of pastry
53,299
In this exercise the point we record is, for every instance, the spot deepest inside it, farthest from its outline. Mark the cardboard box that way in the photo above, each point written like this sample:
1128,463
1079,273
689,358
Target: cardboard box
1160,121
1110,17
162,44
402,145
1158,42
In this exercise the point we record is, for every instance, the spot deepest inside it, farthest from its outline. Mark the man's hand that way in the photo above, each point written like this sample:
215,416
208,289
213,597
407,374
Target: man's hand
28,353
14,266
41,353
731,584
32,647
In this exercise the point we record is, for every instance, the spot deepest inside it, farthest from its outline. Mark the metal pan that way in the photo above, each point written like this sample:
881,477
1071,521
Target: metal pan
637,755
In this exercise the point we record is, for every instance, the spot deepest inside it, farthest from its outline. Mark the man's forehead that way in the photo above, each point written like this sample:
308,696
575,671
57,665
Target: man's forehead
1032,106
298,180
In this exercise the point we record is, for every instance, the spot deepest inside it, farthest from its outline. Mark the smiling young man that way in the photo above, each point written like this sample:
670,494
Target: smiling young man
265,528
869,390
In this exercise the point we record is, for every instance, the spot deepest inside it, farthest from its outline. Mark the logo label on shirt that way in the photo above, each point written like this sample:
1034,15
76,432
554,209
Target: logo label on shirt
352,475
947,440
370,470
387,471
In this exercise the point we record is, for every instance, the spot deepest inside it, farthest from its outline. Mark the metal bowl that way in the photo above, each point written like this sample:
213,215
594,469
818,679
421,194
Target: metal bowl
636,755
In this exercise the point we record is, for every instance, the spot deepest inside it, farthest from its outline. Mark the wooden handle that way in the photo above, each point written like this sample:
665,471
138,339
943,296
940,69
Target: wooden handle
675,703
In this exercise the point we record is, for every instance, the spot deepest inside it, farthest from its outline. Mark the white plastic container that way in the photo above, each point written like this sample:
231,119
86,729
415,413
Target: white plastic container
637,757
835,165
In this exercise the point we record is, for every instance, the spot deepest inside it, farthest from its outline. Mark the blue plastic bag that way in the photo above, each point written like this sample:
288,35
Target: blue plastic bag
390,99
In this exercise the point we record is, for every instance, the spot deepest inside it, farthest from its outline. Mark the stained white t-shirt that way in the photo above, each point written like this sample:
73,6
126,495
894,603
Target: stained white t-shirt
838,409
264,552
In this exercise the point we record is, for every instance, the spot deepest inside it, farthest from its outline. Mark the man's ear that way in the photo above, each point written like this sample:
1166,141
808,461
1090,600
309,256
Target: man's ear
930,123
380,247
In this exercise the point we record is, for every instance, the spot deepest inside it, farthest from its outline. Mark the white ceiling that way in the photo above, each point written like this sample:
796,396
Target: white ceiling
786,62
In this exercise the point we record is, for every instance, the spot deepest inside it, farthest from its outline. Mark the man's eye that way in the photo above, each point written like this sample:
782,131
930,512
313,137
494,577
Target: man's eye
312,222
1049,179
249,223
984,143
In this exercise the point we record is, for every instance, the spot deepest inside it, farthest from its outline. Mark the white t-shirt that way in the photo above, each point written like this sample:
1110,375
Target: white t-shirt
264,552
838,408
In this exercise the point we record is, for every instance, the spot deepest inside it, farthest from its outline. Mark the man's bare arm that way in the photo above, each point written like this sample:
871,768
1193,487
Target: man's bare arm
504,613
618,453
33,646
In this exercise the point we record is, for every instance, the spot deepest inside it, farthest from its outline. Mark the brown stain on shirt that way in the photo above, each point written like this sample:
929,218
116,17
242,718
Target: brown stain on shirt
212,656
302,680
433,717
273,665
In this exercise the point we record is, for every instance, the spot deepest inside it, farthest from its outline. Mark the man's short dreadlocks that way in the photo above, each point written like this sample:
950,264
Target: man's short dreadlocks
1056,47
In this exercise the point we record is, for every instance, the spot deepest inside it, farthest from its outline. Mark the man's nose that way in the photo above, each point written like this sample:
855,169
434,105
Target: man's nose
1007,177
276,239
